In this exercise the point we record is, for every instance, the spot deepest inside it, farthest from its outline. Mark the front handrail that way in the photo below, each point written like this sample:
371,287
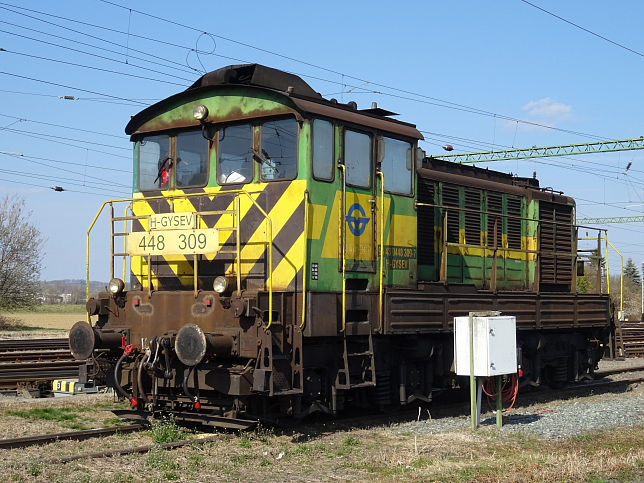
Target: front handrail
236,228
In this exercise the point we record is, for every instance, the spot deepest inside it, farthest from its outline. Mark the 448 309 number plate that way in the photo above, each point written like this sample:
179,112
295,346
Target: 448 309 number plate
173,242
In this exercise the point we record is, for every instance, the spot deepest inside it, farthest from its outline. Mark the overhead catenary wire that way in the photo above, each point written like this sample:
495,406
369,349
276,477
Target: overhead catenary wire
92,67
168,63
621,46
71,87
436,101
59,168
61,180
23,119
50,187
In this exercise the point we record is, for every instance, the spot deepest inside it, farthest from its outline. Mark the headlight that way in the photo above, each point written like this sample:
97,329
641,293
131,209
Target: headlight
200,112
220,284
116,286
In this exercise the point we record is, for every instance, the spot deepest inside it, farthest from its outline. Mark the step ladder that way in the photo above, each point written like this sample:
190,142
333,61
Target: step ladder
357,366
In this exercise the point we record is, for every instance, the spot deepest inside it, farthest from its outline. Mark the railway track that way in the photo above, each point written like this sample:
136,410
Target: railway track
33,364
630,339
26,441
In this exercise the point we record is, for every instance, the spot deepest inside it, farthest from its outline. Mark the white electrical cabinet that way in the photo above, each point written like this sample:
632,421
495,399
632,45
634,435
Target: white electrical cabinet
495,345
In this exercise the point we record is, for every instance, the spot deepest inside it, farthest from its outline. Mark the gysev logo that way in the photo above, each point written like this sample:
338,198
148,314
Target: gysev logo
357,221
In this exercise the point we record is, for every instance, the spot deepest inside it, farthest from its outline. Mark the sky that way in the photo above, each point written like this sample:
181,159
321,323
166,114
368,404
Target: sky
475,75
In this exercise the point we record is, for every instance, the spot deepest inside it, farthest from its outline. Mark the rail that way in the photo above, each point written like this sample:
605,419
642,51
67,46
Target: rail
172,198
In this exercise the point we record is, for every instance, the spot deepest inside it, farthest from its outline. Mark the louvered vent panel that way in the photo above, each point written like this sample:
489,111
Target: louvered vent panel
472,216
426,222
514,222
450,199
555,244
495,209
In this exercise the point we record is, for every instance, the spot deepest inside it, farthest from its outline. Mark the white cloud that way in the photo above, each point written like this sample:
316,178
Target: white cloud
548,110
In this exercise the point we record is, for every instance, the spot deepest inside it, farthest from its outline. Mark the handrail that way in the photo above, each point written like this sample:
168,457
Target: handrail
621,276
382,247
304,259
343,242
172,196
125,239
270,256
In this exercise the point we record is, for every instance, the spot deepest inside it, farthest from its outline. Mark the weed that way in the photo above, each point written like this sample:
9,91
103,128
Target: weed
10,323
244,442
111,422
240,458
166,431
303,449
161,460
264,462
35,470
47,414
195,460
77,426
263,433
170,475
350,441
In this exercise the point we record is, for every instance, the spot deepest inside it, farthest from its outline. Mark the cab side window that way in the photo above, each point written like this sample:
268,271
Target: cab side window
279,149
357,158
322,149
192,159
154,162
235,161
396,165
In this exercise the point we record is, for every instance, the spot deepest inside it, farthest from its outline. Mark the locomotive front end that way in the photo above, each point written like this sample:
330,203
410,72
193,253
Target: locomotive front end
152,342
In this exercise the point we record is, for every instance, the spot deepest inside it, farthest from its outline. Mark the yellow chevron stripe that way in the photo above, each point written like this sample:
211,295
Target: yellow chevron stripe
288,267
283,209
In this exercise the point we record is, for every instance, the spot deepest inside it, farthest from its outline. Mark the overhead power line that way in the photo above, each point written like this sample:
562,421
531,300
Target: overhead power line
92,67
621,46
423,98
70,87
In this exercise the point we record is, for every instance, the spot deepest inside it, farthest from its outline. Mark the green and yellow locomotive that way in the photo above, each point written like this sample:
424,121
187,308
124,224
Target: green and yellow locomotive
291,254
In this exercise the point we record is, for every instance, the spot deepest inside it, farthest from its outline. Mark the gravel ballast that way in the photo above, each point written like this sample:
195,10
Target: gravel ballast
557,418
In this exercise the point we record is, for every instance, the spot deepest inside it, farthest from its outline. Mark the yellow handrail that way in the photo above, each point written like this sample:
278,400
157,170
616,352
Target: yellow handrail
173,196
382,246
125,238
304,260
621,276
343,242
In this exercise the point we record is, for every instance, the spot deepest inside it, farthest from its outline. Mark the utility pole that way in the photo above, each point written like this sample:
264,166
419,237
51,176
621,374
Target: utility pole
642,285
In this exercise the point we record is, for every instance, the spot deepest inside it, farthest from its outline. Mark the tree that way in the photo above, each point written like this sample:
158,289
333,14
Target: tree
21,253
631,272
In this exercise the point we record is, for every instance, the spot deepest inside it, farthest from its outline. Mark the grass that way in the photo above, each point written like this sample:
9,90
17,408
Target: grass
12,324
49,309
166,431
47,414
331,453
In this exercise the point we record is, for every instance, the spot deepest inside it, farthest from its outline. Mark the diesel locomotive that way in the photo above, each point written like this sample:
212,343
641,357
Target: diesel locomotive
288,254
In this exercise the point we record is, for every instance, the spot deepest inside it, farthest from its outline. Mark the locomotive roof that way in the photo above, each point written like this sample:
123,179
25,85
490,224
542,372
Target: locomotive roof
295,90
467,175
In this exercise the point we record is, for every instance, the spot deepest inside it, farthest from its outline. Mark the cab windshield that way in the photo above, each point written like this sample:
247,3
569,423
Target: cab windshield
164,167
